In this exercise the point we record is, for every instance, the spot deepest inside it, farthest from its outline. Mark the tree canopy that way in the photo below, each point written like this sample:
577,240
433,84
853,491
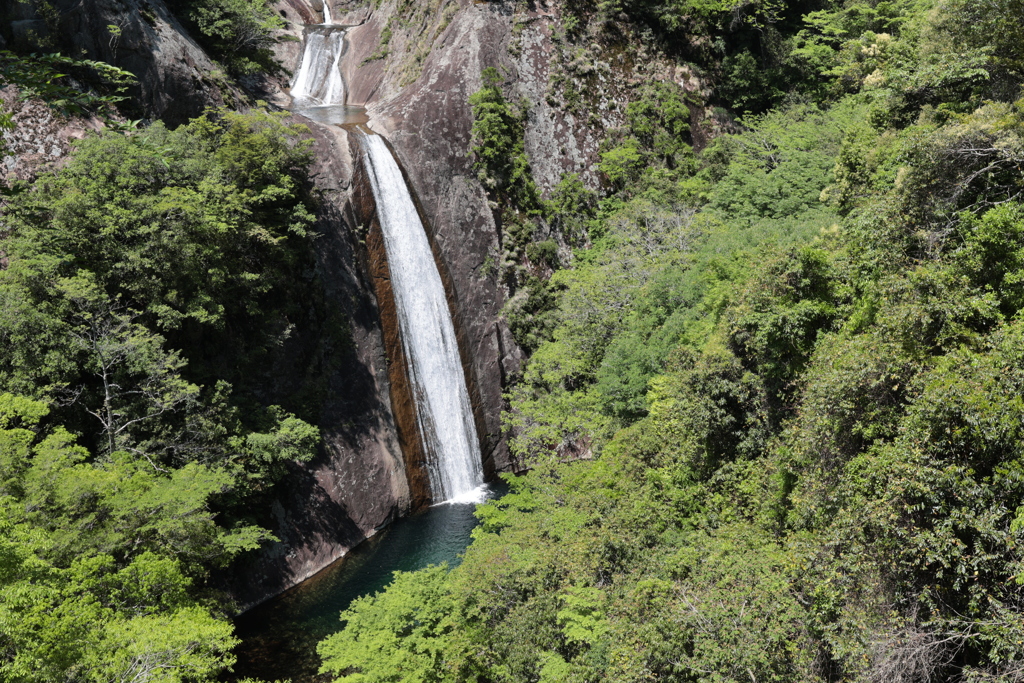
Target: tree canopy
791,365
144,281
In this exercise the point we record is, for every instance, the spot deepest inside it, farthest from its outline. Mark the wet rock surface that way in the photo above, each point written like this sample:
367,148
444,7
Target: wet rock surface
429,126
358,483
363,208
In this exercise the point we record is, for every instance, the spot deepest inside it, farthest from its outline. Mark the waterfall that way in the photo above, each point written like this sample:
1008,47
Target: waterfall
319,76
444,414
327,14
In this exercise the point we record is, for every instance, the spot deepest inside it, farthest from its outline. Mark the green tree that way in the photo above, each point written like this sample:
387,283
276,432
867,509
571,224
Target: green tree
498,146
401,635
238,33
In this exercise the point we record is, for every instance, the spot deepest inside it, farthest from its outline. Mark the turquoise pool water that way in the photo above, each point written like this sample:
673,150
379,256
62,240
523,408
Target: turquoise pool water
279,637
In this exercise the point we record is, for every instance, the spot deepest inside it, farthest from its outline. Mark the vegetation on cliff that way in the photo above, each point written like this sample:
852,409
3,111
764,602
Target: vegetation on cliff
772,409
58,81
147,290
238,33
794,361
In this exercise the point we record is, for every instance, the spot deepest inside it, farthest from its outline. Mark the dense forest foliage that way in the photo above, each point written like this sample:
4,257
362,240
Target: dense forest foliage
793,362
146,289
772,410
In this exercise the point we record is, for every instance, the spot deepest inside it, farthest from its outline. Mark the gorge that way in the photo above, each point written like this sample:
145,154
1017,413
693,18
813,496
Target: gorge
279,637
729,293
334,84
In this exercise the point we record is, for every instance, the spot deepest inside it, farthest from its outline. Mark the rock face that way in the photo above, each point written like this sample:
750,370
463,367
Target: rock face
556,141
40,137
428,124
358,484
364,210
413,66
176,79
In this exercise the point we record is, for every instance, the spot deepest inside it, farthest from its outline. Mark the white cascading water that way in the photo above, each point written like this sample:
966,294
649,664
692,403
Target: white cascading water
319,77
444,413
327,14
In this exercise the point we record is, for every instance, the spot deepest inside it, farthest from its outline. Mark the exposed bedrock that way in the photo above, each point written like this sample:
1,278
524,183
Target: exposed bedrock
421,106
40,139
416,90
428,124
176,80
363,211
358,484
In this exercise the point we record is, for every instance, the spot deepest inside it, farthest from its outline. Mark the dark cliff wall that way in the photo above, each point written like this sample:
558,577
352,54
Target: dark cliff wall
358,484
176,79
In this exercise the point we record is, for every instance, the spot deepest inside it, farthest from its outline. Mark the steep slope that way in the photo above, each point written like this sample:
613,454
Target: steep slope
176,79
414,67
357,484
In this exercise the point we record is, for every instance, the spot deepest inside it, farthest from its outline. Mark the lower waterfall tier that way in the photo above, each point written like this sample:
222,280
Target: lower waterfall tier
444,412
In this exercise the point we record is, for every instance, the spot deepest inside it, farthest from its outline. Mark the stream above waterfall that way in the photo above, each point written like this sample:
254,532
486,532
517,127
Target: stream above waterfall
318,89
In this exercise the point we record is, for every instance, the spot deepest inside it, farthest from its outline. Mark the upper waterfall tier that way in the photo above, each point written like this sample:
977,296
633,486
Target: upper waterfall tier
444,413
327,14
318,78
